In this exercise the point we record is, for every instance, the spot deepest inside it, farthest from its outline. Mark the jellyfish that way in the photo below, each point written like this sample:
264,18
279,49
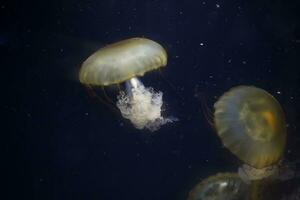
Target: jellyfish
251,124
222,186
231,186
126,61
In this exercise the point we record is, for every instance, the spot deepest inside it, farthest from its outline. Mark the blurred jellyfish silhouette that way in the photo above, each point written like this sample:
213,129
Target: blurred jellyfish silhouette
222,186
125,61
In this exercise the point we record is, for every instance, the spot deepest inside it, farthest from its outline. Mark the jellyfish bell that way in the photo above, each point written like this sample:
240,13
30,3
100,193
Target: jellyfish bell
251,124
222,186
125,61
121,61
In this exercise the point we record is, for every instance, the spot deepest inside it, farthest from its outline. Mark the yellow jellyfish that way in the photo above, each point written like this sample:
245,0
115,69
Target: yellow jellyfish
251,124
124,61
222,186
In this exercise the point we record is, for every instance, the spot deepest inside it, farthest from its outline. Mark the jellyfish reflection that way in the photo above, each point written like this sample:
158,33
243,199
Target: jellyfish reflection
124,61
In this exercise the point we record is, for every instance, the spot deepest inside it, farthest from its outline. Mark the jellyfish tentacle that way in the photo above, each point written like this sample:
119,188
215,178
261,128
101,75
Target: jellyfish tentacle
208,114
95,96
142,106
106,96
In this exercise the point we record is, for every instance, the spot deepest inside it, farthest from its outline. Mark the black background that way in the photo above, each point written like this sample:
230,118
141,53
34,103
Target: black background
59,143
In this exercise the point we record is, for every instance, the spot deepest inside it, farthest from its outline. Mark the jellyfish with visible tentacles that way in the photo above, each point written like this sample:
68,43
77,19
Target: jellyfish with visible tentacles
125,61
222,186
251,124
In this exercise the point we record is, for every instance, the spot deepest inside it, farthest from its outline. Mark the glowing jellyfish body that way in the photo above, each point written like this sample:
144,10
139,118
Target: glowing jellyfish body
124,61
250,123
223,186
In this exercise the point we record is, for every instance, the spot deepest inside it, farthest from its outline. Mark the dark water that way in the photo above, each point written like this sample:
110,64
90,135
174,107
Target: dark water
62,144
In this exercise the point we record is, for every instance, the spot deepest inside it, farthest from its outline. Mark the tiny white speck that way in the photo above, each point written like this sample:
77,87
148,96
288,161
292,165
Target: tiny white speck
210,76
278,92
244,62
86,114
218,5
201,44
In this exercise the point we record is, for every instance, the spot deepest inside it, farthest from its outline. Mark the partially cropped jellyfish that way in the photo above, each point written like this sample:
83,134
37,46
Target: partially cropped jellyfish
251,124
222,186
125,61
